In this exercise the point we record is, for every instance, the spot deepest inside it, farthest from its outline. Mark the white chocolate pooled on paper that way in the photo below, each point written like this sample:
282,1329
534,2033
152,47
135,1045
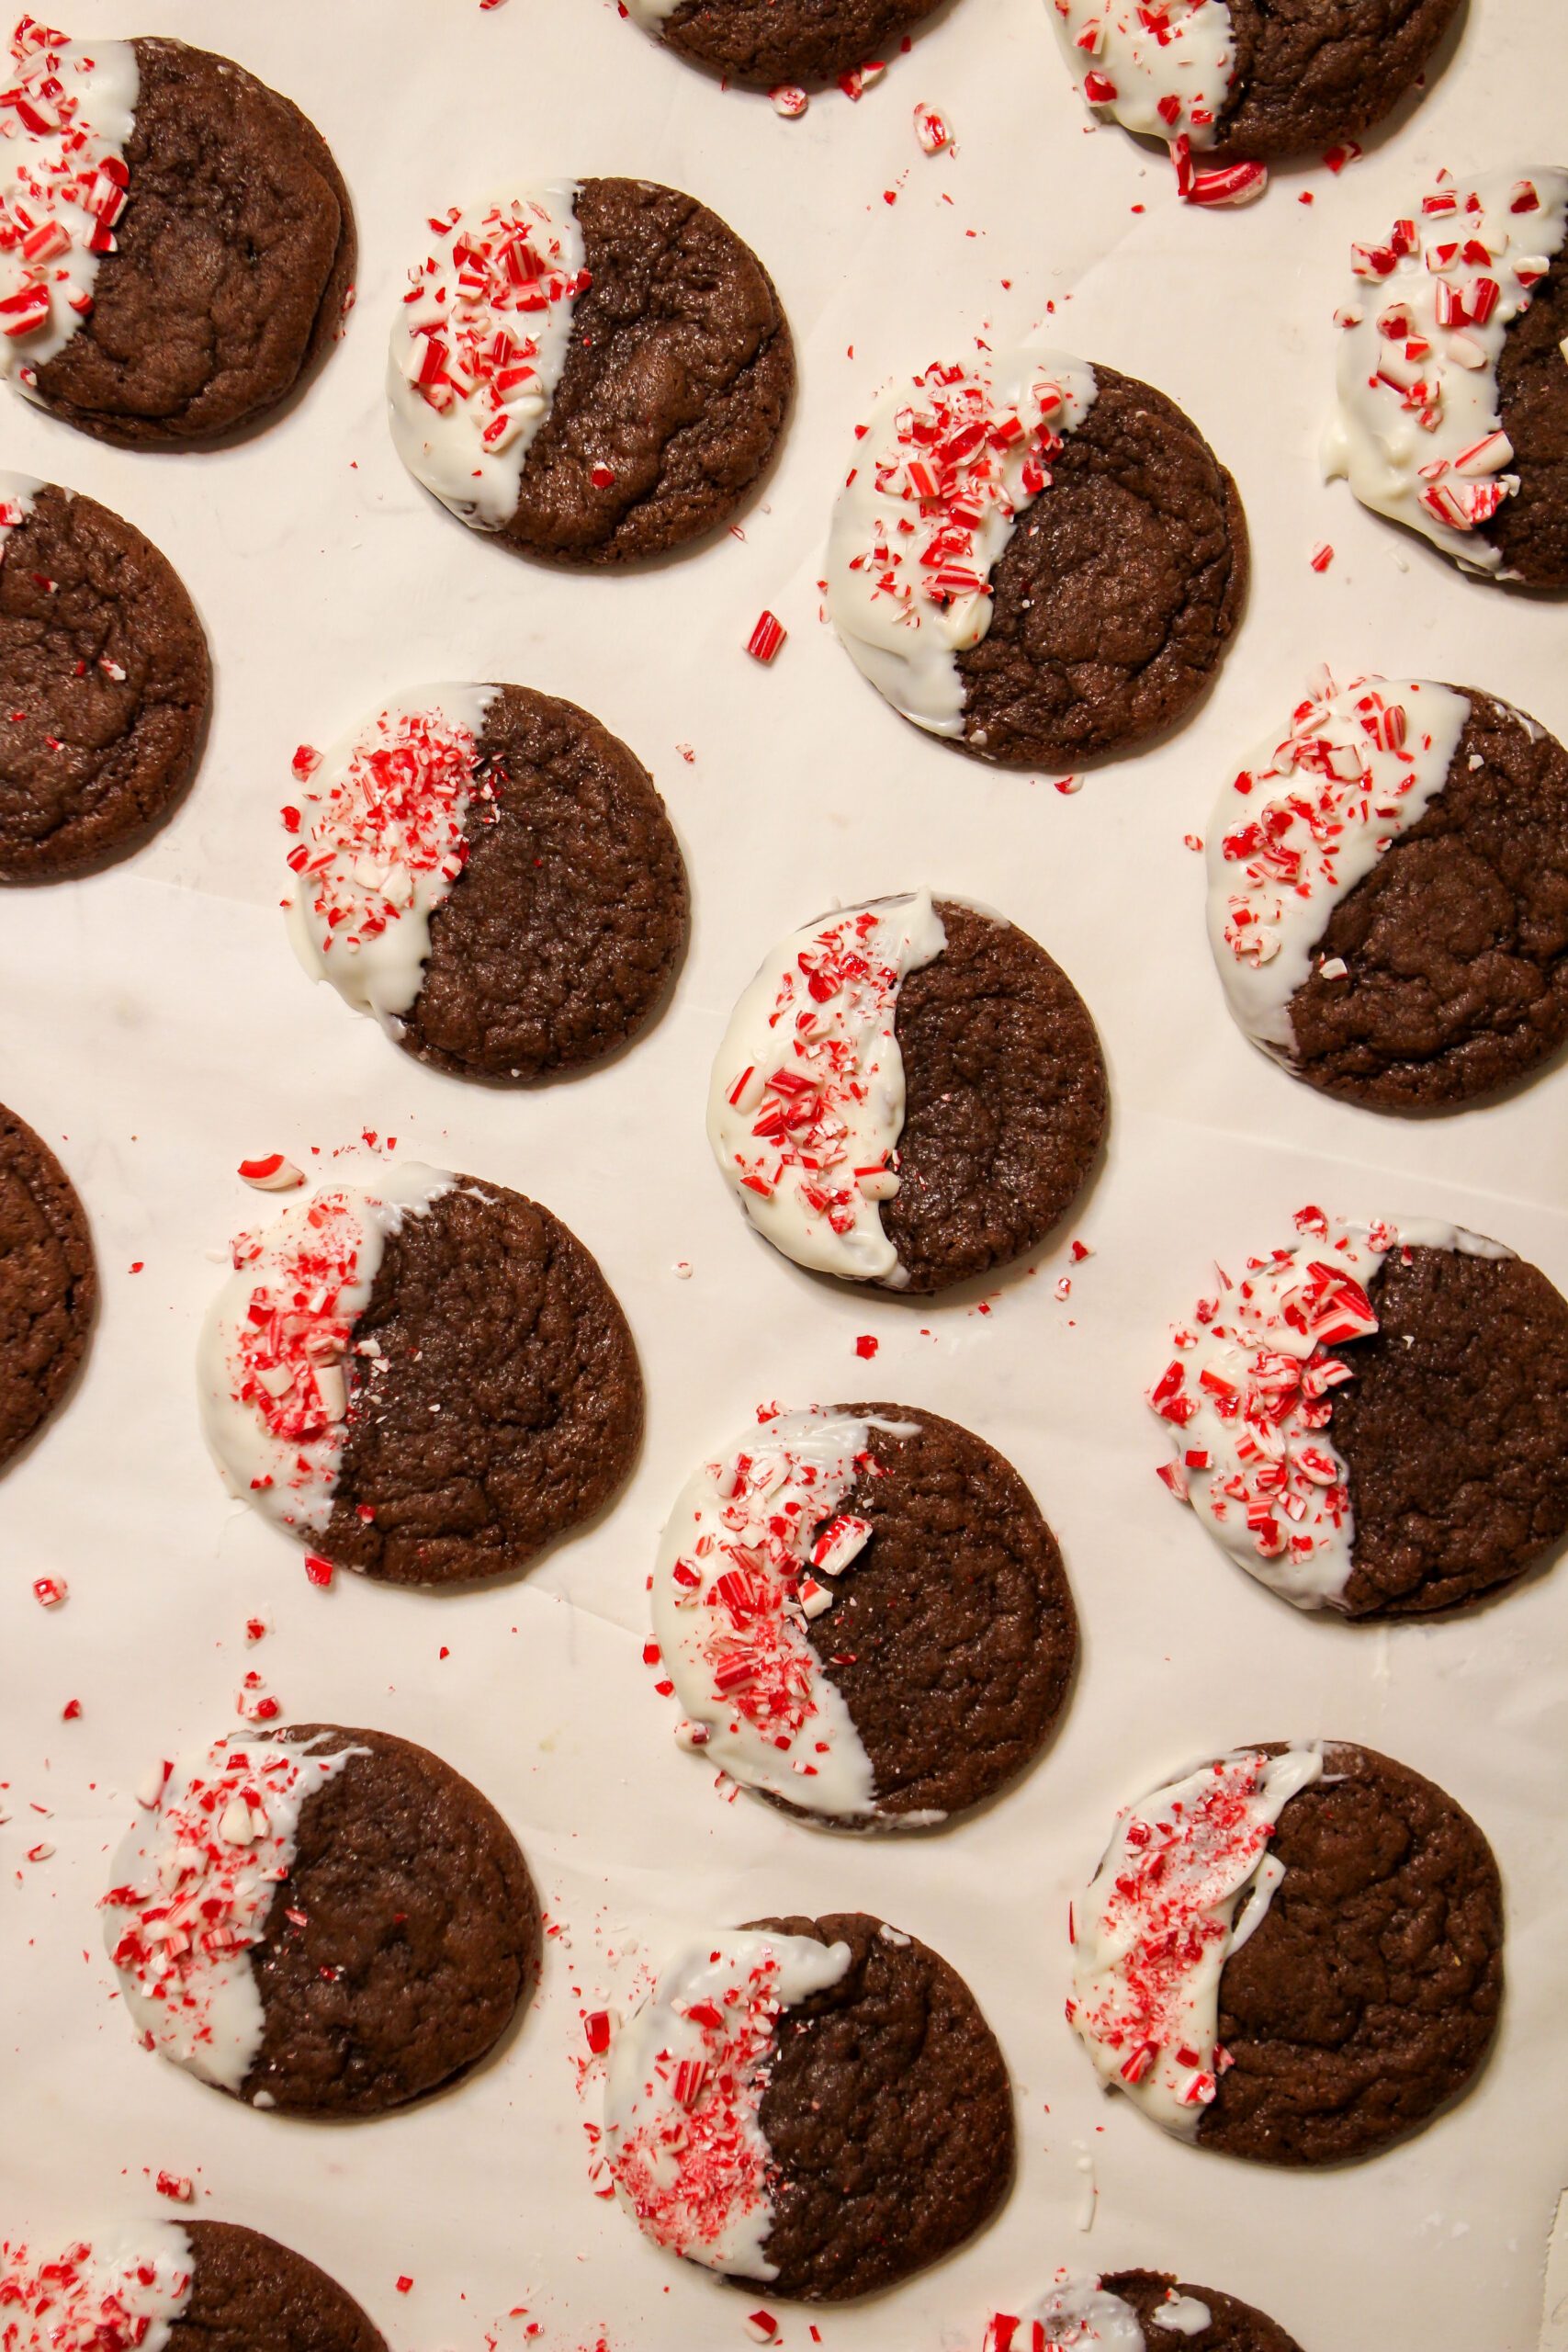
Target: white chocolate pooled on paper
943,470
120,2291
682,2135
192,1884
68,107
754,1550
1185,1881
380,828
805,1105
272,1363
1419,433
1305,818
479,344
1163,69
1248,1398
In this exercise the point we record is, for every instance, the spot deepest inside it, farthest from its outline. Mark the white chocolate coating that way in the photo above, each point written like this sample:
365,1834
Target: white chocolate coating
193,1881
63,180
1184,2315
958,453
381,843
650,14
805,1105
1164,70
683,2137
1161,1918
271,1363
479,344
1418,433
1075,2316
118,2293
1249,1400
1303,819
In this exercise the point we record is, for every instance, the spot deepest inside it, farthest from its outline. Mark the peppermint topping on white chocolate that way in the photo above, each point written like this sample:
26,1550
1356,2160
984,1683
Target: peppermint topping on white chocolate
65,117
117,2293
1305,819
806,1101
195,1879
1418,432
947,464
682,2133
753,1551
1249,1398
479,344
274,1361
1161,67
1160,1919
382,836
1075,2316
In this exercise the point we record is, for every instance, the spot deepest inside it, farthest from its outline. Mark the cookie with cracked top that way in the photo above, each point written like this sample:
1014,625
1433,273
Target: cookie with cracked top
204,2286
104,677
592,371
760,43
246,2290
1231,2325
49,1283
232,252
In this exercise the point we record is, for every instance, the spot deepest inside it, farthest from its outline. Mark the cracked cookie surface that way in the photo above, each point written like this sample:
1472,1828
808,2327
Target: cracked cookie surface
105,680
1232,2325
49,1283
1309,72
760,43
247,2290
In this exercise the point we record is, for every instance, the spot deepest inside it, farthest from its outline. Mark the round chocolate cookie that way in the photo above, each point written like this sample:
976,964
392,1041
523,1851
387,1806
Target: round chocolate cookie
49,1283
491,874
428,1381
904,1638
247,2291
760,43
1389,894
380,1924
911,1092
1041,561
231,258
594,371
814,2105
104,683
1164,2307
186,2286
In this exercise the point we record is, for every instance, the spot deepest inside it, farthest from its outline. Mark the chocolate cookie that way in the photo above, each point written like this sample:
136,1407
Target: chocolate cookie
1376,1420
492,875
49,1283
420,1376
381,1926
104,683
1453,322
202,2285
1388,893
1039,561
1358,1918
1136,2311
593,370
864,1616
200,246
909,1092
817,2104
1241,81
760,43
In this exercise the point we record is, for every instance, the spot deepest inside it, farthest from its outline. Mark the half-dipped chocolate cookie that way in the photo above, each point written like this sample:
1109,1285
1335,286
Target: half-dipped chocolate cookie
1375,1419
1235,84
105,683
328,1922
814,2104
420,1376
910,1093
48,1282
864,1616
762,43
176,2286
1388,893
182,247
493,875
1135,2311
1038,560
1453,413
590,371
1290,1954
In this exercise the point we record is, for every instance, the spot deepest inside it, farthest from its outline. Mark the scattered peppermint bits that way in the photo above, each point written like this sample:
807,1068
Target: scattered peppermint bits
789,100
272,1173
49,1591
866,1346
932,130
766,637
65,117
175,2186
86,2298
1321,556
1225,183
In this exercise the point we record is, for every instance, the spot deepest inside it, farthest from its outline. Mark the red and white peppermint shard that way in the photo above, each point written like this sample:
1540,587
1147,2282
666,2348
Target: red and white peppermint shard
121,2292
1186,1880
1418,429
1160,67
66,112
